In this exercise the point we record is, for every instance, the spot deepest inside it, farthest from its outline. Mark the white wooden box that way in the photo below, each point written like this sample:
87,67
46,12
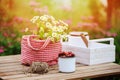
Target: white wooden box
96,53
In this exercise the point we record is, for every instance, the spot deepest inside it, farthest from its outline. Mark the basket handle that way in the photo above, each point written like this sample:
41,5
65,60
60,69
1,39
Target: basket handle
47,41
104,39
84,39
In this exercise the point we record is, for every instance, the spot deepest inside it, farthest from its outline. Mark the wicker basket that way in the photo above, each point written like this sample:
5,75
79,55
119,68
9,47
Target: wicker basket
39,50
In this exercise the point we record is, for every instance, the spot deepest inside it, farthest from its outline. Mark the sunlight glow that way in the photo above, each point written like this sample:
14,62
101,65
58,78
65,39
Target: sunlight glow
104,2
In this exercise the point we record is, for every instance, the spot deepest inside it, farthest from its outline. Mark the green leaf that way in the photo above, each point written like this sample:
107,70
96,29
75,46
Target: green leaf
41,33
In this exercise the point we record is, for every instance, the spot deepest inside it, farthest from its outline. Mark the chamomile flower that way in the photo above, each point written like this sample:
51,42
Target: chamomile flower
54,34
63,23
46,35
34,19
26,29
52,39
55,29
60,28
55,22
48,25
43,18
65,27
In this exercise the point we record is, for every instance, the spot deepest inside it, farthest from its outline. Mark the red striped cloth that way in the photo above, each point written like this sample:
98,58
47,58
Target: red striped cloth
39,50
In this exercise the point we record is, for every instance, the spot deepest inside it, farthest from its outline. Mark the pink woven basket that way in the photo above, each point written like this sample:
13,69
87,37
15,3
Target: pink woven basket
39,50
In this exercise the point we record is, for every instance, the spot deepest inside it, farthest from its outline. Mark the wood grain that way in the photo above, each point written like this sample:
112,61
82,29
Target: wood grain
11,69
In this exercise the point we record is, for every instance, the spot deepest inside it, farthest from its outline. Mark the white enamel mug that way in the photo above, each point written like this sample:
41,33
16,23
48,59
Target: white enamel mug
66,64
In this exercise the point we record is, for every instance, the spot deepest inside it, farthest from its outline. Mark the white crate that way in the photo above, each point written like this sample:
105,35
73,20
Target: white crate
96,53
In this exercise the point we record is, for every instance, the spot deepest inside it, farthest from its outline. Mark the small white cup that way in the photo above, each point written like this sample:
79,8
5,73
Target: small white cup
66,64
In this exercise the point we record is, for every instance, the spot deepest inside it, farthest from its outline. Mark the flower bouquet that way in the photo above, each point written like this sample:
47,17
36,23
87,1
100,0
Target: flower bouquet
44,45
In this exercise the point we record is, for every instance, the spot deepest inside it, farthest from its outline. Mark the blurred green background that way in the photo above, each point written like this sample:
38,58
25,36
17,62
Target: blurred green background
100,18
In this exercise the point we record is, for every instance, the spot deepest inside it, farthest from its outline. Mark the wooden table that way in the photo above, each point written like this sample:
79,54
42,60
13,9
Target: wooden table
11,69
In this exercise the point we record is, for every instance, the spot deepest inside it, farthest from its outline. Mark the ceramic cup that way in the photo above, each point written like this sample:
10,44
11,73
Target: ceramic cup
66,64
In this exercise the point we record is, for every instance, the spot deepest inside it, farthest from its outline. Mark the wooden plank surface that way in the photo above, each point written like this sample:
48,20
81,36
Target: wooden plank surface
11,69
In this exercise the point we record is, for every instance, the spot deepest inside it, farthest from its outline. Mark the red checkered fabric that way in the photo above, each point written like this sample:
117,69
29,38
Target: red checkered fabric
39,50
